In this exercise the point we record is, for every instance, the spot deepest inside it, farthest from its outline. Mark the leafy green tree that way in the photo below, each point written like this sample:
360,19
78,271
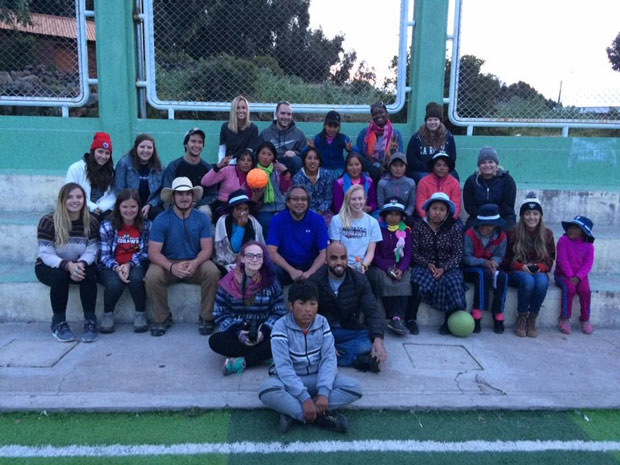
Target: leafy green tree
15,11
613,53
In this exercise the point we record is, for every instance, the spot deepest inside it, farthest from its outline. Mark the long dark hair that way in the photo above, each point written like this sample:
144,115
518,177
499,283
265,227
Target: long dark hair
116,219
261,146
304,155
154,163
100,177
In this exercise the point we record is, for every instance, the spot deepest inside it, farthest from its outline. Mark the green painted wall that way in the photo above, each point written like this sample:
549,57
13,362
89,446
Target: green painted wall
49,145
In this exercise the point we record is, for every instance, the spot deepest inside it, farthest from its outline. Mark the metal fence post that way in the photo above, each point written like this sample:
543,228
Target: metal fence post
427,57
116,71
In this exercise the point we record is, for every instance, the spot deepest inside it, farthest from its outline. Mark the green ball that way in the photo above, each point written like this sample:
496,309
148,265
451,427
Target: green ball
461,323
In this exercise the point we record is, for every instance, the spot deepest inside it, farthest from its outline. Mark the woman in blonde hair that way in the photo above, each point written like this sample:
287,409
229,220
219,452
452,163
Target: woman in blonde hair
67,252
529,257
356,229
239,133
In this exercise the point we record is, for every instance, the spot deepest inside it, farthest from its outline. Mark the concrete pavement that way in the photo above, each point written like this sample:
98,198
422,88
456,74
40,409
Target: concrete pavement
133,372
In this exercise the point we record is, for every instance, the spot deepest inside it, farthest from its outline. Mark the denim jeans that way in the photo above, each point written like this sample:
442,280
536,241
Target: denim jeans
532,289
350,343
264,218
114,287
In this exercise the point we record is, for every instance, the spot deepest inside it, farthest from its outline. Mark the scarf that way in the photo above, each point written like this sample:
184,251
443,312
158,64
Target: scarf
270,195
231,283
346,183
371,141
240,177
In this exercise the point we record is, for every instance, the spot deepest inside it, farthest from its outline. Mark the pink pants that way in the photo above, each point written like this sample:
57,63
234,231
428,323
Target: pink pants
568,293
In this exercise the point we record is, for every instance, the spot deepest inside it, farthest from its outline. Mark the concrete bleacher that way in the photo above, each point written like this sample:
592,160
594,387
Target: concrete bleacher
25,198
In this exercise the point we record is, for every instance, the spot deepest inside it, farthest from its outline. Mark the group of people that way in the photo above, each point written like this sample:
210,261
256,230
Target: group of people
363,234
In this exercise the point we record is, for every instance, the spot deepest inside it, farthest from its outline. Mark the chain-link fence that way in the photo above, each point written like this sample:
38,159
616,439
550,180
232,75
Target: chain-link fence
536,62
204,53
43,53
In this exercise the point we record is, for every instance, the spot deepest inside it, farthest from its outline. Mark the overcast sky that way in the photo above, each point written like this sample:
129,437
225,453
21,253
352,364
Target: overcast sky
541,42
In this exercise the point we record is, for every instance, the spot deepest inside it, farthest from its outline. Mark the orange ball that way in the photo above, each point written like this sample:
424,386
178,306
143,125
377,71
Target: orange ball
256,179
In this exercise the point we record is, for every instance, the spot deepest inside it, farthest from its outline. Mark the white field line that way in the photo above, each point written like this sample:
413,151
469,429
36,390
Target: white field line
117,450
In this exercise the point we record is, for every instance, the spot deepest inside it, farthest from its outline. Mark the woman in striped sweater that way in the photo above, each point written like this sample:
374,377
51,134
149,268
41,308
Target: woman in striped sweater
248,303
67,252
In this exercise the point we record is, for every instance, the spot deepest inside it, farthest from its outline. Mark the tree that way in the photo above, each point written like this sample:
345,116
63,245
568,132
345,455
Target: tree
15,11
613,53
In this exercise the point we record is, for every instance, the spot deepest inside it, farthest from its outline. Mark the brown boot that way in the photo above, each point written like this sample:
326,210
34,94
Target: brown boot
531,325
519,328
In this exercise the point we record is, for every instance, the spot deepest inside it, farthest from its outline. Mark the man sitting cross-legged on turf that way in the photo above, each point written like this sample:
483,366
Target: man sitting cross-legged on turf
344,296
180,248
305,384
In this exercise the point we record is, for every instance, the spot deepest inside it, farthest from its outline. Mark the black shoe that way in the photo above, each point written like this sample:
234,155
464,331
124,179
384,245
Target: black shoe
366,363
397,327
333,421
412,326
476,325
159,329
498,327
443,329
205,327
91,331
286,423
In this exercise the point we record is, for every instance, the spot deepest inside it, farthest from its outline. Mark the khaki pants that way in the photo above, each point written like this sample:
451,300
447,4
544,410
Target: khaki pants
158,279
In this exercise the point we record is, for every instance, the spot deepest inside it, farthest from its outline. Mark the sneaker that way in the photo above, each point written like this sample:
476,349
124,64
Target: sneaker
564,326
333,421
412,326
205,327
365,362
397,327
107,324
443,329
498,327
91,332
286,423
477,328
140,323
234,366
159,329
586,327
62,332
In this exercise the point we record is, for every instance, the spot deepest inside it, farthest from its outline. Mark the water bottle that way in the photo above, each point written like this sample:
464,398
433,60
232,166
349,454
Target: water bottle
358,264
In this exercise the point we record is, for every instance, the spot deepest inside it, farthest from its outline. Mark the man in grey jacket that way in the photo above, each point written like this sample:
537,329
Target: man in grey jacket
287,138
305,384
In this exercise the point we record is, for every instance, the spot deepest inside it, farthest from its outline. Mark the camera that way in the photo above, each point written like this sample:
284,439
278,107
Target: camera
252,328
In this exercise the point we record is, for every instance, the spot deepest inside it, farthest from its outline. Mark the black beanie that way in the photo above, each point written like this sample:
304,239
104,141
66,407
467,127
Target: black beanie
530,203
434,110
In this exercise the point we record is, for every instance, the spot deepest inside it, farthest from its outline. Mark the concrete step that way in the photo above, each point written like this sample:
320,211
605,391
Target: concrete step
23,298
38,192
18,231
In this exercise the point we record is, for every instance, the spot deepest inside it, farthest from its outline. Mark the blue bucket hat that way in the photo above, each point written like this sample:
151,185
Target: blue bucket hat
584,223
488,214
440,197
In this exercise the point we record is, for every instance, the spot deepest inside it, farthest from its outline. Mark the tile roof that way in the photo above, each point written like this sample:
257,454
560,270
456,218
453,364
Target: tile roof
49,25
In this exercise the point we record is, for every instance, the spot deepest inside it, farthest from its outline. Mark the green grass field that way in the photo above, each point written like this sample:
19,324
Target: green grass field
375,437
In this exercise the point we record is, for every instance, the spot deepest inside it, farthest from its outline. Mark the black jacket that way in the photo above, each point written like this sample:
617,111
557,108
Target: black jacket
501,190
354,299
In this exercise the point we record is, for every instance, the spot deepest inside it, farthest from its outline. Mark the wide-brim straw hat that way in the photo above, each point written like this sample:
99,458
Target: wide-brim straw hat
181,184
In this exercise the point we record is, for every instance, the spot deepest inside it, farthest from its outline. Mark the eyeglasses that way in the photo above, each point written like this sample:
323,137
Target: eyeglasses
253,256
298,199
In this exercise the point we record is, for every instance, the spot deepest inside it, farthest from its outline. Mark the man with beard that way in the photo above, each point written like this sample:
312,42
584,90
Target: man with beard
344,295
180,249
297,238
191,166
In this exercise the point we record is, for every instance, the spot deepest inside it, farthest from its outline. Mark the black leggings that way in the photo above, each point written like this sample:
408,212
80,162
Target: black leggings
59,281
226,344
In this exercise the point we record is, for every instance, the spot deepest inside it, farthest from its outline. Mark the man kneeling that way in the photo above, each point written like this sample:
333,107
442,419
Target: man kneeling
306,384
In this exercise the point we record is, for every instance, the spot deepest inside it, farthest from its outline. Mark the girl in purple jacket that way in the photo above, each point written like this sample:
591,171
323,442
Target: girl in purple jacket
575,255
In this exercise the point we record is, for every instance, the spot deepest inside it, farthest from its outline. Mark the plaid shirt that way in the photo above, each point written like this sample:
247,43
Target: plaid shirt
108,242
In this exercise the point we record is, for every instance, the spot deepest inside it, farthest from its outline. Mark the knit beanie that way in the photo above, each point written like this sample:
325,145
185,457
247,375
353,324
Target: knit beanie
530,203
488,153
101,141
434,110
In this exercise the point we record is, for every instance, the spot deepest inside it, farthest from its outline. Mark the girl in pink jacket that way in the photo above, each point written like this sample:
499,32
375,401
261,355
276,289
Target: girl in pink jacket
575,255
438,179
